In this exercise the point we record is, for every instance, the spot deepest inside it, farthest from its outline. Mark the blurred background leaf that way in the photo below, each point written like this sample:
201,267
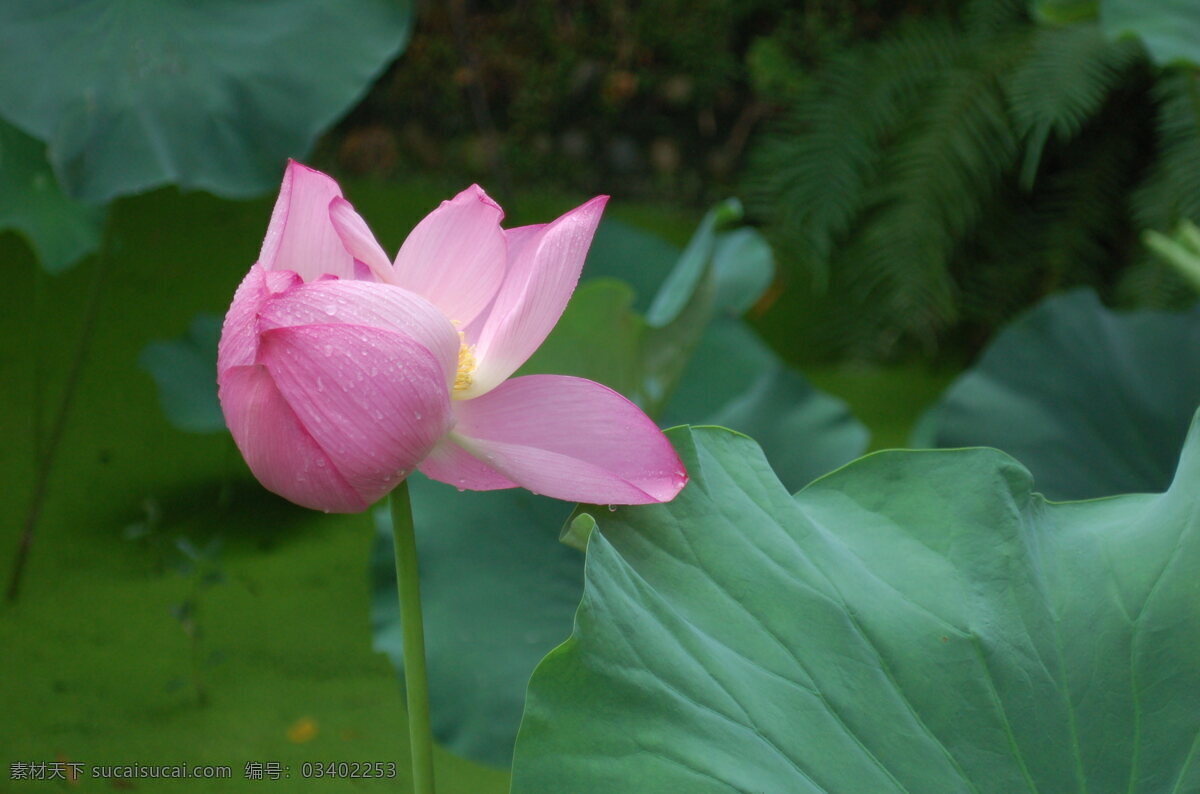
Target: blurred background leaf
210,95
1169,29
185,371
60,229
1180,250
1094,402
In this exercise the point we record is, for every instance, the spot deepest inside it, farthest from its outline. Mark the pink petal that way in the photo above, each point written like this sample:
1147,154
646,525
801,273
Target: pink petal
239,334
357,238
301,237
374,400
450,463
456,256
544,266
570,439
374,305
280,452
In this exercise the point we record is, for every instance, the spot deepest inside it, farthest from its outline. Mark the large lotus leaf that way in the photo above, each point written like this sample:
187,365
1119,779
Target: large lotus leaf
1094,402
208,94
1170,29
59,229
914,622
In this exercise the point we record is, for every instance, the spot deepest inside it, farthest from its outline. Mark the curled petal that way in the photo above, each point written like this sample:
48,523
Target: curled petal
567,438
357,238
375,401
239,334
282,454
456,256
301,237
544,266
374,305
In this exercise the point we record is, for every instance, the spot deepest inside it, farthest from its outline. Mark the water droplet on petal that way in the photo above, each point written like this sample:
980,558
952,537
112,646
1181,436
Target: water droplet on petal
612,508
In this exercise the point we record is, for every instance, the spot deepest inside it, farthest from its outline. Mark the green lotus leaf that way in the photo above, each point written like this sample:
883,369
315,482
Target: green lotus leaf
206,94
1094,402
914,622
60,230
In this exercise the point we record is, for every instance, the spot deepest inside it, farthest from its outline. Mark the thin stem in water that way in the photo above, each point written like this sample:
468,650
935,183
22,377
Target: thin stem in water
416,683
47,446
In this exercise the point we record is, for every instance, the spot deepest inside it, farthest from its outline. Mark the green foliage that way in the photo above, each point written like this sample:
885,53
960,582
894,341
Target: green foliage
914,622
185,371
1169,29
1181,250
59,229
928,185
1093,402
605,96
211,95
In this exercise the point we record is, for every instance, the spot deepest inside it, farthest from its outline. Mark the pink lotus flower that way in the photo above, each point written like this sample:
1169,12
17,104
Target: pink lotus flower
341,372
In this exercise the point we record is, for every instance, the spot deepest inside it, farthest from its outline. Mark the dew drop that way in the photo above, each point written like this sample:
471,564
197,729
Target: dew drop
320,463
612,508
462,490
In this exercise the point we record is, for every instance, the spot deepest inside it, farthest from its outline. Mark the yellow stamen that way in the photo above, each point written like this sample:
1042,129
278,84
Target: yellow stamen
466,364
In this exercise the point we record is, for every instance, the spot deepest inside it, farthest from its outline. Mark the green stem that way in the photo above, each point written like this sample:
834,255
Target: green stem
47,446
416,683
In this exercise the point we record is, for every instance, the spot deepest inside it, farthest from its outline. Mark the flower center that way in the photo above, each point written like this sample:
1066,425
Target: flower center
466,364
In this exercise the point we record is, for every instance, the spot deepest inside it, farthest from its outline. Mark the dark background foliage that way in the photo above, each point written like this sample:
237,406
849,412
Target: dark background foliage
925,170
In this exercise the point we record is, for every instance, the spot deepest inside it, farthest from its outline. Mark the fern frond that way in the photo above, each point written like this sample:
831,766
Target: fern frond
809,180
938,178
1066,77
1171,191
